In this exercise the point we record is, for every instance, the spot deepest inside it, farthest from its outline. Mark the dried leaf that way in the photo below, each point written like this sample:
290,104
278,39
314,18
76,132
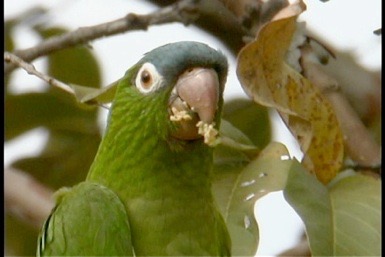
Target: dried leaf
266,77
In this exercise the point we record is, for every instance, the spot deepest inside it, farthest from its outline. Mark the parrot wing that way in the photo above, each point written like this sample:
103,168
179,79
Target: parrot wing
89,219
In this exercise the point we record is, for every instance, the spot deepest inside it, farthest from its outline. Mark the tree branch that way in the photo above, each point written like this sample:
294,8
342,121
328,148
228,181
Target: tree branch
30,69
360,144
182,11
233,22
26,198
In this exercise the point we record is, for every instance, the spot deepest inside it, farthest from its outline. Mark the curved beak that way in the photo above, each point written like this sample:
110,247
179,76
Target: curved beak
194,99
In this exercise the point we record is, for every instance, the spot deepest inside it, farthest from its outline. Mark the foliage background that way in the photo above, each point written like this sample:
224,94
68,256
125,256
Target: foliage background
325,19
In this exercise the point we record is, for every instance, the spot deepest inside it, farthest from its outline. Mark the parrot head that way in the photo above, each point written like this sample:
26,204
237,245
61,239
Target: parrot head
179,86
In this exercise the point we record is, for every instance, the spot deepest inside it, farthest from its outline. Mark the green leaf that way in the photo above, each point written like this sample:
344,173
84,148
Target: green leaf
342,219
91,96
250,118
74,134
20,238
31,14
9,43
310,200
356,202
30,110
238,184
234,145
76,65
65,160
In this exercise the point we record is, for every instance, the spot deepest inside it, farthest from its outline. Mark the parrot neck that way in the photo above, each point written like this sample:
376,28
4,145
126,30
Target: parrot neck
164,184
136,146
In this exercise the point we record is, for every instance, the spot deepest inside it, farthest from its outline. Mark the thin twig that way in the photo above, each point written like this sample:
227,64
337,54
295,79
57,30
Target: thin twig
30,69
182,11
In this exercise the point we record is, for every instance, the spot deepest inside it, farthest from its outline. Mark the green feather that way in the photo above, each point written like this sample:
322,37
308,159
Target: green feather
71,229
164,183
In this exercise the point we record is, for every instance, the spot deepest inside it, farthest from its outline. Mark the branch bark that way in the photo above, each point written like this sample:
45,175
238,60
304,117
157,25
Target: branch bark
26,198
360,145
233,22
182,11
30,69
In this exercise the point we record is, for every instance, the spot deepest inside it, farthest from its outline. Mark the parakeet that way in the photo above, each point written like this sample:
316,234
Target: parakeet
148,191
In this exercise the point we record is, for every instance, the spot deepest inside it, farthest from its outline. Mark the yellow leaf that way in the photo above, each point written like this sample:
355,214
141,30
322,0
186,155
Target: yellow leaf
266,77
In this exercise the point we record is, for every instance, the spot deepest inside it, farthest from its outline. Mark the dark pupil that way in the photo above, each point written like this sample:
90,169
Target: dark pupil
146,77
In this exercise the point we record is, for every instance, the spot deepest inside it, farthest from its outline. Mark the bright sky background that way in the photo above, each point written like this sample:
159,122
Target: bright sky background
345,24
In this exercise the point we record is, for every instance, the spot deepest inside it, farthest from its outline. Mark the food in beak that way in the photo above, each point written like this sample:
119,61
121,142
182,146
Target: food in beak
193,104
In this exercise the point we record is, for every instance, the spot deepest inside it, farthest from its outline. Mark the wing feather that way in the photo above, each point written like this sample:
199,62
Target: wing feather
89,219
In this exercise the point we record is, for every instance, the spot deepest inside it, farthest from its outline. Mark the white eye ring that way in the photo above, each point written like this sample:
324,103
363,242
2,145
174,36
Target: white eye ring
148,79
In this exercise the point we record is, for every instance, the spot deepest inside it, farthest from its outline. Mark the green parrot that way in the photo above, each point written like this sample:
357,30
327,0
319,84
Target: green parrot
148,191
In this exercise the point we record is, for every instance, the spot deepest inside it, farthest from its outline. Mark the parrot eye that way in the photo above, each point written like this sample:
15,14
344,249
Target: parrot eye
148,78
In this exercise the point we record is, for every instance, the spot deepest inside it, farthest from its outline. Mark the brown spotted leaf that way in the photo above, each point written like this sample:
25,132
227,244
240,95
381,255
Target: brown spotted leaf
270,81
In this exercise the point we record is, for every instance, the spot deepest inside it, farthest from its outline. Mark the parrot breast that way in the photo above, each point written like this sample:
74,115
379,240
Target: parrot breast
156,152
